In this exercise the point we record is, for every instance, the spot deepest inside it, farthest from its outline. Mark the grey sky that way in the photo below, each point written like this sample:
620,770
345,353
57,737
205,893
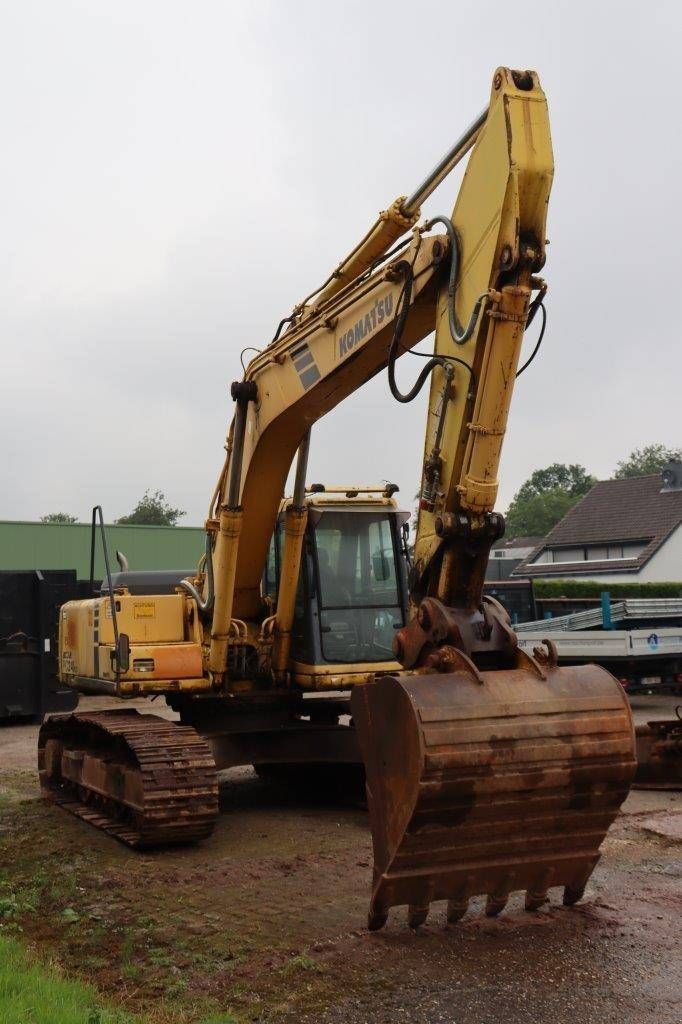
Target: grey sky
177,175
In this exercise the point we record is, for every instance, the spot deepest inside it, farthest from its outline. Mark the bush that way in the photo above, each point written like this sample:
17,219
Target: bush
592,588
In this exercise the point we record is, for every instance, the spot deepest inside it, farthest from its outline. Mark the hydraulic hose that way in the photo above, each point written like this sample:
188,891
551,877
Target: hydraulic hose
205,606
401,319
459,335
403,310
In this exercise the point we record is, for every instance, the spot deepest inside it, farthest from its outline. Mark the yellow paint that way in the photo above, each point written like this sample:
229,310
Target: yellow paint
339,677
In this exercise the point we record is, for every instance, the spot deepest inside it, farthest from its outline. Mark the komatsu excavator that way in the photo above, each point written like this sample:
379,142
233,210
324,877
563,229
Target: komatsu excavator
311,640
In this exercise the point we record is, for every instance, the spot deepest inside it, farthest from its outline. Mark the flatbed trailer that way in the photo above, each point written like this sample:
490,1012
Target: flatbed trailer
646,658
645,652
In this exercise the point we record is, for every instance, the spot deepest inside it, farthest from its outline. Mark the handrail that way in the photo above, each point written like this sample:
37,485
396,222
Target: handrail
97,511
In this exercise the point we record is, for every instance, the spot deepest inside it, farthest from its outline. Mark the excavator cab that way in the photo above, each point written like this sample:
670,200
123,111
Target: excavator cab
352,592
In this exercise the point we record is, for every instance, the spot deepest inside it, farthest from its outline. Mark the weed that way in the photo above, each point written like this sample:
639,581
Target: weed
159,957
302,963
133,972
15,903
9,907
176,988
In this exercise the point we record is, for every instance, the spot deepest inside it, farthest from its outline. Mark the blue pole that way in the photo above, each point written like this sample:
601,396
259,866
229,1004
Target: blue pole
607,621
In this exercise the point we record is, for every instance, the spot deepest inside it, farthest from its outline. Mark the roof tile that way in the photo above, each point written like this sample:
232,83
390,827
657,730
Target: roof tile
613,510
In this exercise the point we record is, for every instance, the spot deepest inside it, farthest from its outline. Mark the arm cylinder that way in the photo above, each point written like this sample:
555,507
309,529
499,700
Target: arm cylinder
411,205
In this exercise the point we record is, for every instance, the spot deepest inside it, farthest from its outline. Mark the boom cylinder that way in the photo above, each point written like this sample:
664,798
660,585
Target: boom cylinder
295,520
225,570
227,541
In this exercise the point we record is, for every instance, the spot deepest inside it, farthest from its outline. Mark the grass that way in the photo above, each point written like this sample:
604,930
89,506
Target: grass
36,994
301,963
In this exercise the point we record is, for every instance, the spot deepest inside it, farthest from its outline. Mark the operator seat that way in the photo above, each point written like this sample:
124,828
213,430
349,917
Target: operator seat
333,590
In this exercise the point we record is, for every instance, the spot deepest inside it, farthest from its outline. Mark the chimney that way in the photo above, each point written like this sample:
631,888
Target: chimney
671,475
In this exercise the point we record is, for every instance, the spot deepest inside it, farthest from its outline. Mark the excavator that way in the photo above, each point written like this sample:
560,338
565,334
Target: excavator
313,641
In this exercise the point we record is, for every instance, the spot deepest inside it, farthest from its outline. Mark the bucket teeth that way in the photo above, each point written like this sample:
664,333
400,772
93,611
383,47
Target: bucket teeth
417,914
573,893
574,890
457,909
495,904
535,899
376,919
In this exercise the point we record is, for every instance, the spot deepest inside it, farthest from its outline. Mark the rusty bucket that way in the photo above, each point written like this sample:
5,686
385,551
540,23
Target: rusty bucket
490,782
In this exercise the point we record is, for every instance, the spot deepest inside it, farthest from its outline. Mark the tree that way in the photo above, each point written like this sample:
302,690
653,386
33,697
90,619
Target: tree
649,459
545,498
58,517
573,480
152,510
535,516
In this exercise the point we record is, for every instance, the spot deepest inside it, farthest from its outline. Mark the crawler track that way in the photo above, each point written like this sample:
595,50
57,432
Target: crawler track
138,777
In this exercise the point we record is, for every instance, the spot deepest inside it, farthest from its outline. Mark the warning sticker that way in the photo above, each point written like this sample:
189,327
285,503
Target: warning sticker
144,610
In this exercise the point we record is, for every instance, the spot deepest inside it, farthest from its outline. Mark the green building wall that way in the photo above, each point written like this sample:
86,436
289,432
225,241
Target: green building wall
67,546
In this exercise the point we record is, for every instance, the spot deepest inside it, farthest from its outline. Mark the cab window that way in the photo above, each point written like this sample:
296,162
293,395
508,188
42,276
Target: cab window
359,594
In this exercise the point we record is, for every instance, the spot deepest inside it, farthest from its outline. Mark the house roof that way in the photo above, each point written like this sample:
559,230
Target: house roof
633,509
517,542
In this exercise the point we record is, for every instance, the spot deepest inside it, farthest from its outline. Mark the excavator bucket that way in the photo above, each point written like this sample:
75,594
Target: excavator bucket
659,755
490,782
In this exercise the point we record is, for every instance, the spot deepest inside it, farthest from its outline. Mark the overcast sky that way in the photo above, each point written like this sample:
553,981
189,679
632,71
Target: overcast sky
176,175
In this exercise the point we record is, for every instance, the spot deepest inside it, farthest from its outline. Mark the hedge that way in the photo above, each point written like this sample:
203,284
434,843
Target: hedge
592,588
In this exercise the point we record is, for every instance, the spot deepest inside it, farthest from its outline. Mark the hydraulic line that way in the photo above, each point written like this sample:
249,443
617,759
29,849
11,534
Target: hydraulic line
205,605
459,335
541,306
403,307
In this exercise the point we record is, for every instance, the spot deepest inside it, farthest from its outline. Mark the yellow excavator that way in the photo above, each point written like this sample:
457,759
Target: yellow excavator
312,641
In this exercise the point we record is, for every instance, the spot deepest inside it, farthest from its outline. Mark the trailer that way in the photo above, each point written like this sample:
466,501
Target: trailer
29,620
645,652
646,656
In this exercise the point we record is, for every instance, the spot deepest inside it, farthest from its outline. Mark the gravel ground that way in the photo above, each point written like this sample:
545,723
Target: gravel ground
265,918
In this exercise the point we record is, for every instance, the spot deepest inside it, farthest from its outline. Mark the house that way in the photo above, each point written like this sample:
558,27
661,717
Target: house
622,531
506,554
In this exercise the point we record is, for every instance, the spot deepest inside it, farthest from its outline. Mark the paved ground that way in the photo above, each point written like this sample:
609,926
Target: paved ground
265,918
